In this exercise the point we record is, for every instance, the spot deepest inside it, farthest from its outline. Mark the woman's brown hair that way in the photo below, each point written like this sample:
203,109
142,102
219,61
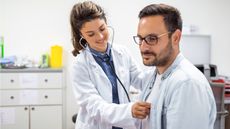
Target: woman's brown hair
80,14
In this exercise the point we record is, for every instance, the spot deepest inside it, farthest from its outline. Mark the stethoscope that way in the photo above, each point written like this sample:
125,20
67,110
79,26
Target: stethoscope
107,60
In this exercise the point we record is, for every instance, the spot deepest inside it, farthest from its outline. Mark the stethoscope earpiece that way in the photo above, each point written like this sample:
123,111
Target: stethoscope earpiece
80,42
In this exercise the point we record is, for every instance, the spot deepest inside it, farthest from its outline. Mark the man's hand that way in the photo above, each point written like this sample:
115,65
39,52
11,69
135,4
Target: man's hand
141,109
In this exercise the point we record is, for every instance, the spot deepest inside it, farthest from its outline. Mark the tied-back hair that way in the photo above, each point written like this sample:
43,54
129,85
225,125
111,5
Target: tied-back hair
80,14
172,16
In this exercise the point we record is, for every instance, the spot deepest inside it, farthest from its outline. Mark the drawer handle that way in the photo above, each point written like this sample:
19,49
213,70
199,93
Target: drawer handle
46,96
32,108
46,80
11,97
12,80
25,108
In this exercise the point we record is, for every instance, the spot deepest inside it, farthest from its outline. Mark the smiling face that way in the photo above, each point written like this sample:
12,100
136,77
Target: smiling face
95,32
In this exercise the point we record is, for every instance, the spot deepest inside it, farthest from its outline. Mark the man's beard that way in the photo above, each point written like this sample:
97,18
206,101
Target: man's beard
162,58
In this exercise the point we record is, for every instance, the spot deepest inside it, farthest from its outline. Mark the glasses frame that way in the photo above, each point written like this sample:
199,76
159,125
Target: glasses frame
140,39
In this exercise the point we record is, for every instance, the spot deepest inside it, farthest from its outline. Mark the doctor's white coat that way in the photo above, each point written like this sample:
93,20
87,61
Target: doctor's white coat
93,91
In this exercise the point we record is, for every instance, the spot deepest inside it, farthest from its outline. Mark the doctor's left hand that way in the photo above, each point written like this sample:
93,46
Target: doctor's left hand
141,109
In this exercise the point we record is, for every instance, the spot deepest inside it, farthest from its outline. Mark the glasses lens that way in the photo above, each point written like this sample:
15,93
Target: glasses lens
151,39
137,39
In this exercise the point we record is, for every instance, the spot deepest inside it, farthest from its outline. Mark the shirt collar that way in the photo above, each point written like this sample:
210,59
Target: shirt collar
175,63
100,54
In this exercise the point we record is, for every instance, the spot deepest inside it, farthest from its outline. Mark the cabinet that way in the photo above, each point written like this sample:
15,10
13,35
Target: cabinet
32,99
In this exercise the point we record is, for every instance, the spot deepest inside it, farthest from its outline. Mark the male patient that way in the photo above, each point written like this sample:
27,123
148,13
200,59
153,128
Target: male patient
180,95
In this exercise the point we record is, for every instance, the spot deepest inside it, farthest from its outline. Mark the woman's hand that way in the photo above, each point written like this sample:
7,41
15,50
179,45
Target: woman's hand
140,110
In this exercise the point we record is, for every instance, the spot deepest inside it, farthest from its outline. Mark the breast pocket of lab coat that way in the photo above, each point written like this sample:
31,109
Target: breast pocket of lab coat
123,75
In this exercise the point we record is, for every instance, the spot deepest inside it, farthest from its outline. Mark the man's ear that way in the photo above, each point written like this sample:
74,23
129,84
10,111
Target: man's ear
176,37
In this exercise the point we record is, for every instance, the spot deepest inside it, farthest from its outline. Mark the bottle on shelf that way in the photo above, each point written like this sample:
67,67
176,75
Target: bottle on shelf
1,47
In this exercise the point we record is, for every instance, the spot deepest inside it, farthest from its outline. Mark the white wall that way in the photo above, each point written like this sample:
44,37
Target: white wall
30,27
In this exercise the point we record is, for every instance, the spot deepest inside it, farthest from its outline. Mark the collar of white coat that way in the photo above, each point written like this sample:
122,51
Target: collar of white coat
115,51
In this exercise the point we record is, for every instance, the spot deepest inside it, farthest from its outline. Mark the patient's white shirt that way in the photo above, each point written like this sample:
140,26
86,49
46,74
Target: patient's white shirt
152,98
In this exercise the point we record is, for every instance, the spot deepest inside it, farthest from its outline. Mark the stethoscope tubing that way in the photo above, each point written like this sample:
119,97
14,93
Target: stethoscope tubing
113,69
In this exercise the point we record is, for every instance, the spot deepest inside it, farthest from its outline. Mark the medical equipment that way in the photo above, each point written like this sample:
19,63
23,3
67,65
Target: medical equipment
1,47
56,56
107,60
209,70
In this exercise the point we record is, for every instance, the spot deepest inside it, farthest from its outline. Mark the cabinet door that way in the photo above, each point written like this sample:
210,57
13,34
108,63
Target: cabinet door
46,117
9,81
14,117
50,80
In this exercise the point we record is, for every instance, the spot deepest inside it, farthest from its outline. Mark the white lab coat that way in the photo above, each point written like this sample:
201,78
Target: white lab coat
93,91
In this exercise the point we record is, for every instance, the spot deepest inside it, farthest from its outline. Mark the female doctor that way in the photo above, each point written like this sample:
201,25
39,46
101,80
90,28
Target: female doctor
103,74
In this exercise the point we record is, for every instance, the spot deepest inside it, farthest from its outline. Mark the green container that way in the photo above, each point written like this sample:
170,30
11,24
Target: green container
1,47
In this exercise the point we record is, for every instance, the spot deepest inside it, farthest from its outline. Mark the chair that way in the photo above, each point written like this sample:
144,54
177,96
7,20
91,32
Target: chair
219,91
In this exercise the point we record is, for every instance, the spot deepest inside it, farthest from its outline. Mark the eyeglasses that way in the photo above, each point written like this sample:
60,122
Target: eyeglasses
150,39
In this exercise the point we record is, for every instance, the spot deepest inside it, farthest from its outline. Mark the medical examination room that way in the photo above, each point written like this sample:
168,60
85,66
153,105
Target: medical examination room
114,64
